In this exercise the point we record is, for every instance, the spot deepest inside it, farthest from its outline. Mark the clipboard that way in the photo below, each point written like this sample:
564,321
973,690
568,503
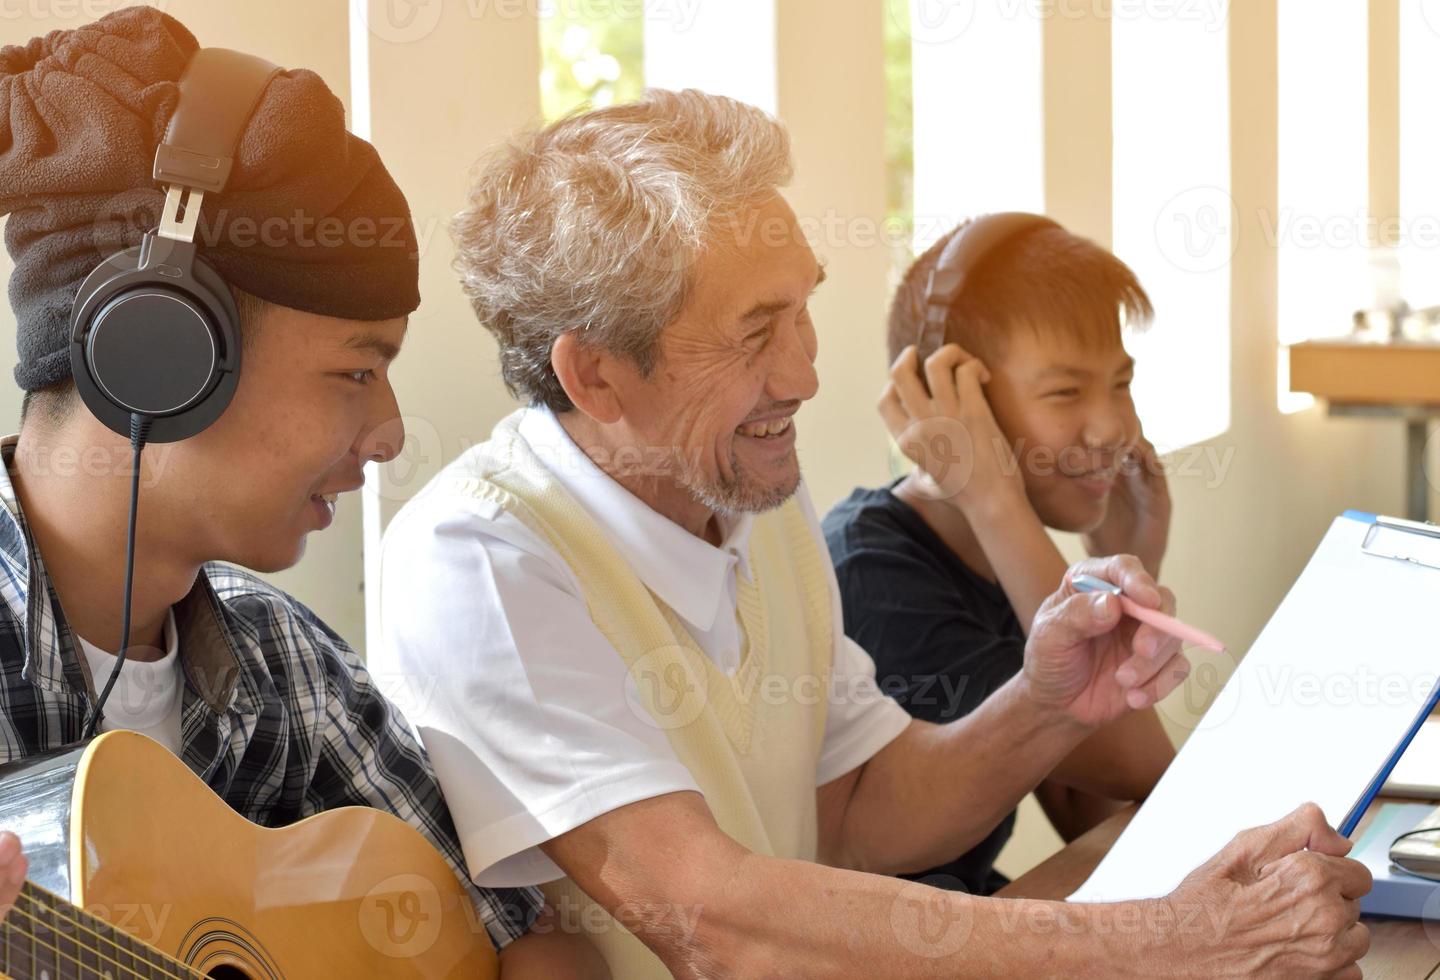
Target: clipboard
1362,610
1416,543
1400,540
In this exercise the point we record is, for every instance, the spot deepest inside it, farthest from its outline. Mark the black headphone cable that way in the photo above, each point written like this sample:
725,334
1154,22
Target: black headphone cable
139,432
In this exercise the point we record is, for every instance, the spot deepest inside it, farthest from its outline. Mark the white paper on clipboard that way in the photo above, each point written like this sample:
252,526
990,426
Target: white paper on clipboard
1312,713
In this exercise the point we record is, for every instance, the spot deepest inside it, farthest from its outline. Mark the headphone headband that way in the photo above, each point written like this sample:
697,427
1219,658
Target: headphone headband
218,93
961,254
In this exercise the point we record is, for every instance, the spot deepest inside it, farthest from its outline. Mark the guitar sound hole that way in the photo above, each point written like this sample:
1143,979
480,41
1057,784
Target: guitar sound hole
228,973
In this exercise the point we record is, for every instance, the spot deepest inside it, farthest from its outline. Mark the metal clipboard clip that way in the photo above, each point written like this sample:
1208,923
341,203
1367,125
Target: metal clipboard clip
1413,542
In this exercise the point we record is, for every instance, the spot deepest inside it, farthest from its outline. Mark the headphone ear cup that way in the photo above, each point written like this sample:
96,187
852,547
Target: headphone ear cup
160,341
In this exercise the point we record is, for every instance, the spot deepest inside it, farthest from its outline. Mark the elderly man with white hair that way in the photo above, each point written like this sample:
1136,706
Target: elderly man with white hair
617,631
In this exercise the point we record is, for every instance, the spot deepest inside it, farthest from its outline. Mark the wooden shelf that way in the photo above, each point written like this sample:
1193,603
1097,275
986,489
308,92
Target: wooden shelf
1366,373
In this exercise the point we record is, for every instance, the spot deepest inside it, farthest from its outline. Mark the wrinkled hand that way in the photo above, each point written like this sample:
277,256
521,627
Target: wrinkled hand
13,869
1137,519
1280,901
949,431
1085,658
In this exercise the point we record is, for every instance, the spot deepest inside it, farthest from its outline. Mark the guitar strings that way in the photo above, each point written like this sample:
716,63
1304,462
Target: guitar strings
67,911
47,900
55,911
36,940
62,954
9,926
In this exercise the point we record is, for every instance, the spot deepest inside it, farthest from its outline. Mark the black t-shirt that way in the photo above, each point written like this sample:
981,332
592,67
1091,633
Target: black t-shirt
943,638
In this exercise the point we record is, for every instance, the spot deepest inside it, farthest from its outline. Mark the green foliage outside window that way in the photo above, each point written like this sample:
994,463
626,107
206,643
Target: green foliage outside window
899,131
589,56
592,56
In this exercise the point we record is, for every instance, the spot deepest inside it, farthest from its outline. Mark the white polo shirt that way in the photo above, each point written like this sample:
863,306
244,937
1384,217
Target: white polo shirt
527,711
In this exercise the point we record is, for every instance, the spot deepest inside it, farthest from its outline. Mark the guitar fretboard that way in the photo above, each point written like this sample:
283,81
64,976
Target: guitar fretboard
47,938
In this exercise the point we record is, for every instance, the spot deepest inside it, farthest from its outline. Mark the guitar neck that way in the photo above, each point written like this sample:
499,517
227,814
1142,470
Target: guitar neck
45,936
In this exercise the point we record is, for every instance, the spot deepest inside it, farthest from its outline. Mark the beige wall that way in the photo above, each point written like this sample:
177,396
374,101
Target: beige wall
430,125
444,90
832,98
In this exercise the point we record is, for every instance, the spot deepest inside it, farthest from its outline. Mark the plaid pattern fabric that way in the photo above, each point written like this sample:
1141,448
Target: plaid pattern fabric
280,718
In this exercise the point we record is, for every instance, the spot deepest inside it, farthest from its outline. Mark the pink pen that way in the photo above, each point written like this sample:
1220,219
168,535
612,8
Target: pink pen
1154,617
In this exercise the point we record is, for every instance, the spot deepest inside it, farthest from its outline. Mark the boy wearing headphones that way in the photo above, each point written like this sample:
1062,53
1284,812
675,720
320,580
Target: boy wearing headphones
305,269
1017,410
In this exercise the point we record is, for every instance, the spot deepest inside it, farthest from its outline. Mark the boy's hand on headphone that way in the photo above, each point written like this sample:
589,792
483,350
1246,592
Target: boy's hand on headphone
1137,521
948,431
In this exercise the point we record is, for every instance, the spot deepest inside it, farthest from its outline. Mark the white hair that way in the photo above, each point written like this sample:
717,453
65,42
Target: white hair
595,222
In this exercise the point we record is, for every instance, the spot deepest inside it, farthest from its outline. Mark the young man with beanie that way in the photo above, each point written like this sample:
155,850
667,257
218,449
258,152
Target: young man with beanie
247,686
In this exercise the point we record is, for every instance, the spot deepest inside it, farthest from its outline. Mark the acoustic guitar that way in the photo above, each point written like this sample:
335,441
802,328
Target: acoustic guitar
138,870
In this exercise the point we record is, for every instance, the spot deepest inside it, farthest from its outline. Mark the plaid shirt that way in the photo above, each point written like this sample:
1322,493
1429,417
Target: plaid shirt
279,716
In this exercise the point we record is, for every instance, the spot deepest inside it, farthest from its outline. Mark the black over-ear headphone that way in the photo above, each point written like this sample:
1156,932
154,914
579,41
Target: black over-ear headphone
962,253
154,333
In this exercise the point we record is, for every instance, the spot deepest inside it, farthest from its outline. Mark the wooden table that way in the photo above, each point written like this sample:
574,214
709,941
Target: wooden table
1396,379
1399,950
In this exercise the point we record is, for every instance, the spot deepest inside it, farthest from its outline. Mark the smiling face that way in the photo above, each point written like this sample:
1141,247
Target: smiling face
1065,406
314,403
734,367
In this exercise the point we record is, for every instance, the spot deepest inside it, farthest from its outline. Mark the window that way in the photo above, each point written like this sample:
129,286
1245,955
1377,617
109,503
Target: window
590,54
1173,216
977,102
899,136
948,156
1419,232
723,48
1319,230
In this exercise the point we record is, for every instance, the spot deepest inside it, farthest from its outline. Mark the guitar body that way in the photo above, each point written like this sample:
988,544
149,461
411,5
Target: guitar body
350,892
